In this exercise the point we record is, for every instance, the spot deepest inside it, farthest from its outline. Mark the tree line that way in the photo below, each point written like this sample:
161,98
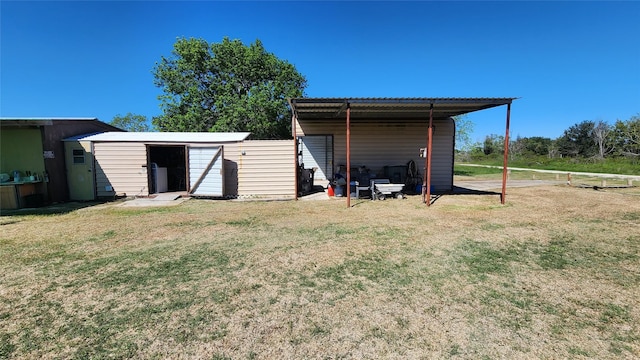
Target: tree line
587,139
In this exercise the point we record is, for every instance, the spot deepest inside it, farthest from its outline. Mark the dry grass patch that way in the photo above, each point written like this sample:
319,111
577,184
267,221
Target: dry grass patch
554,273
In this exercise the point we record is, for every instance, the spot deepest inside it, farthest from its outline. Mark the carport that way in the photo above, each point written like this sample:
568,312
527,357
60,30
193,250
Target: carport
322,115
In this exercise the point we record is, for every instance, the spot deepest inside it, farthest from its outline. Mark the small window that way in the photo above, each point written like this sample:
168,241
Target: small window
78,156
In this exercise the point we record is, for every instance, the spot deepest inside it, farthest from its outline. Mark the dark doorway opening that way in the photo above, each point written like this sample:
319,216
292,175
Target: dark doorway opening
168,168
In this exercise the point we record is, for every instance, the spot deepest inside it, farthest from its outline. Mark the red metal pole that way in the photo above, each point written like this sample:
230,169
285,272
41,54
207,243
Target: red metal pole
429,147
424,169
295,155
348,189
506,156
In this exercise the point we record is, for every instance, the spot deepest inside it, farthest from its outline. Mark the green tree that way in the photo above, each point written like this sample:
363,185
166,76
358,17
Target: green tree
226,86
578,140
537,145
464,128
131,122
626,137
493,144
516,146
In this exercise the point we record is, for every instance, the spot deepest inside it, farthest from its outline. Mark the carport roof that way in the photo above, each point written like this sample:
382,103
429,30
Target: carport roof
163,137
390,108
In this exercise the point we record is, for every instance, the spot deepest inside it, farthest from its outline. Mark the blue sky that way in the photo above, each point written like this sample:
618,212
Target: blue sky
566,61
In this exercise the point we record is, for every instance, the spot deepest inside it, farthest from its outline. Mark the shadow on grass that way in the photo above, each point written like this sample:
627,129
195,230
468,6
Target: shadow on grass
457,190
55,209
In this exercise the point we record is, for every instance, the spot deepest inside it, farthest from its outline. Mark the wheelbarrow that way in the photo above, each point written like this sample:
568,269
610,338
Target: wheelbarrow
381,188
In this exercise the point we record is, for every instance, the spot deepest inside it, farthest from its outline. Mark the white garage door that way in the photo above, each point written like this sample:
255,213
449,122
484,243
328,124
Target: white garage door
206,174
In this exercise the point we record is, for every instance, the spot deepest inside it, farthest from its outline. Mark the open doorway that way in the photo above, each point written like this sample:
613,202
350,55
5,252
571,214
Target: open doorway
168,169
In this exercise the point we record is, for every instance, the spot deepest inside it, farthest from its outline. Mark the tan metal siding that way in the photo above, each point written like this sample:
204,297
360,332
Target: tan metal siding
379,144
121,165
265,168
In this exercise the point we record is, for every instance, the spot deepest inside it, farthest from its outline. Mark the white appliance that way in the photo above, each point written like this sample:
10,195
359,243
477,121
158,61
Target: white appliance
159,179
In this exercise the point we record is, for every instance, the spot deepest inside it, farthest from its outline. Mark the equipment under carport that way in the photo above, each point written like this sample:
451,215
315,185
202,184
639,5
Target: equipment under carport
381,188
305,180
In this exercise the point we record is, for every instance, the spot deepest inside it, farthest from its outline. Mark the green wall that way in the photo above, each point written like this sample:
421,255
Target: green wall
21,149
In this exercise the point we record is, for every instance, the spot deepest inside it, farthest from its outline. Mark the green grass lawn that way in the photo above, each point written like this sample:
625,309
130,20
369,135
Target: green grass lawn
607,166
555,273
464,172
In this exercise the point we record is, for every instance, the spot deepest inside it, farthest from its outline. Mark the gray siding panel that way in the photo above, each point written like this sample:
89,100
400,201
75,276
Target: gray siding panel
317,151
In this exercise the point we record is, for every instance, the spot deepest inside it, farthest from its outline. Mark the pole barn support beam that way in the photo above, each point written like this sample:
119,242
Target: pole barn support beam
429,148
506,156
295,155
348,189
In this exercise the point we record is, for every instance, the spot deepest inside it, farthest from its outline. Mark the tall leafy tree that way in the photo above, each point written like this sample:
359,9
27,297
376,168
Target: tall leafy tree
516,146
131,122
493,144
578,140
626,136
226,86
537,145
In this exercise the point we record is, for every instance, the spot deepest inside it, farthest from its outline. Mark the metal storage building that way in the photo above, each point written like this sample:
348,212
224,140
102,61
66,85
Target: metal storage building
383,134
198,164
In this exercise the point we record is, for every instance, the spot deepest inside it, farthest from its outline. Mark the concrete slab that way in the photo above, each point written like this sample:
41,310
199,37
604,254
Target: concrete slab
166,196
149,202
163,199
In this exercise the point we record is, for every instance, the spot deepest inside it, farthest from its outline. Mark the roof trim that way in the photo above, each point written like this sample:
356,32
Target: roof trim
52,121
46,118
163,137
373,108
401,100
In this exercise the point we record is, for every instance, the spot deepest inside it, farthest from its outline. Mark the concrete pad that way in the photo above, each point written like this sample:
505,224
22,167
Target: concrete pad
166,196
152,202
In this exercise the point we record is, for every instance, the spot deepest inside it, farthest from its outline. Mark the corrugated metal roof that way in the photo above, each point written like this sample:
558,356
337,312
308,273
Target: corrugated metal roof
45,118
78,137
53,121
391,108
164,137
